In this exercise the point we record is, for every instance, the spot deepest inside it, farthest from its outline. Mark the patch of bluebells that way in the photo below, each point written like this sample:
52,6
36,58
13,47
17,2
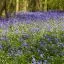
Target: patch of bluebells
39,15
45,47
32,16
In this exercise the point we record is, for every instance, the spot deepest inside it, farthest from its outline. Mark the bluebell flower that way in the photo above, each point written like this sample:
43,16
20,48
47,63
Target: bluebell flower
56,40
42,55
17,31
3,38
61,45
24,44
42,43
25,36
33,30
33,60
45,62
18,53
38,50
21,39
39,62
61,54
1,46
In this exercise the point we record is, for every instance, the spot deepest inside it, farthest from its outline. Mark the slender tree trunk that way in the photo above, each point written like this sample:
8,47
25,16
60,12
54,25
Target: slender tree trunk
32,5
6,12
25,5
17,5
45,5
60,5
4,8
39,5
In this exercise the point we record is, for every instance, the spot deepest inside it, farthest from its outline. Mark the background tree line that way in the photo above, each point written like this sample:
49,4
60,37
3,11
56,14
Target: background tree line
8,7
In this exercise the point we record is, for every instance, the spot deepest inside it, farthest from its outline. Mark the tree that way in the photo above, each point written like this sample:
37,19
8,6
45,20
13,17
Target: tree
39,5
17,5
25,5
45,5
4,8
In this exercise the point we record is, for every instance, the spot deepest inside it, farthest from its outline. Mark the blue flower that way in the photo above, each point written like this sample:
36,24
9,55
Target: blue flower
45,62
33,60
1,46
33,30
39,62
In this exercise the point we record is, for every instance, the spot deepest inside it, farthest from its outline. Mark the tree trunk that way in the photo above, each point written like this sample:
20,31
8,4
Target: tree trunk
39,5
17,5
4,8
45,6
25,5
